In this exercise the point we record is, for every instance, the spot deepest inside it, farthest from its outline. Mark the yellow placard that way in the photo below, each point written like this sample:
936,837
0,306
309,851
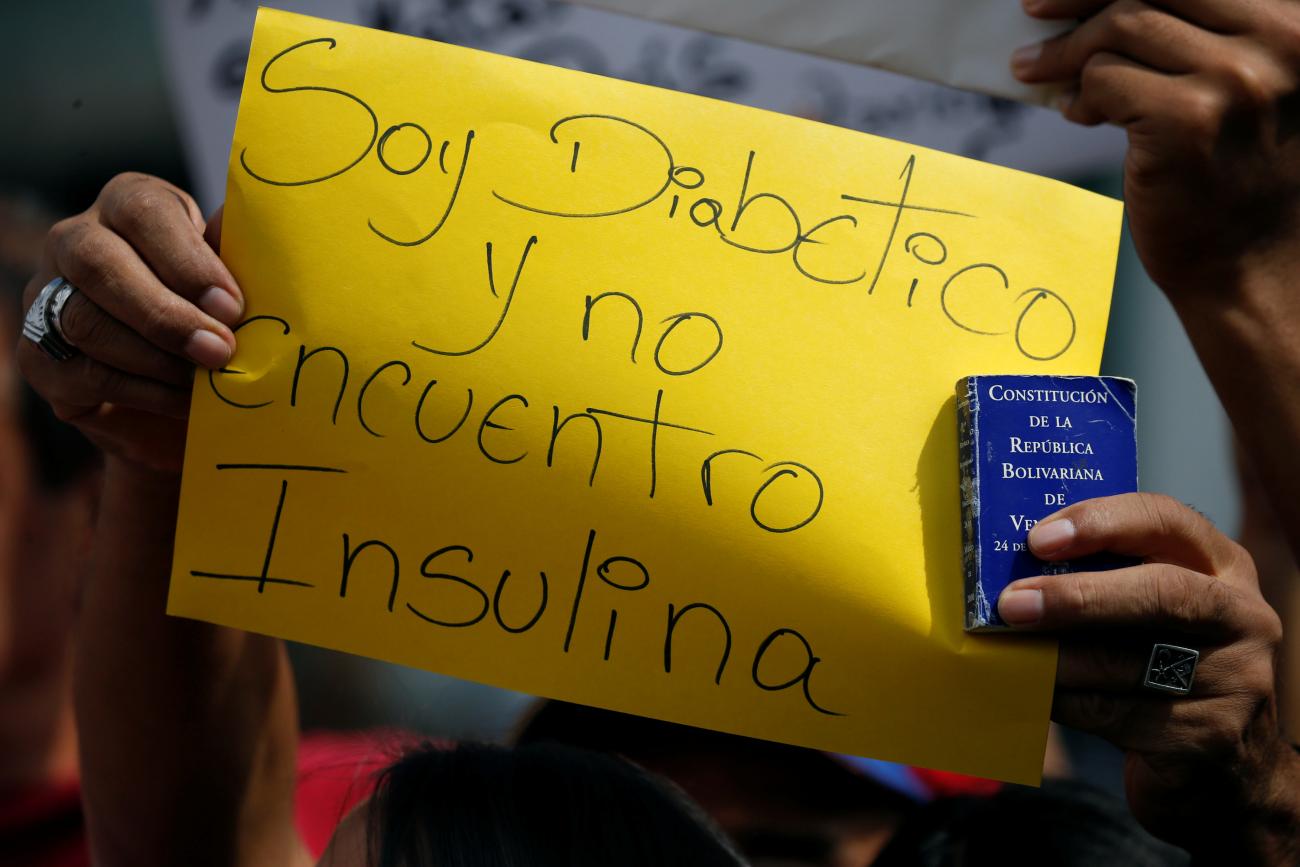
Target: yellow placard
622,396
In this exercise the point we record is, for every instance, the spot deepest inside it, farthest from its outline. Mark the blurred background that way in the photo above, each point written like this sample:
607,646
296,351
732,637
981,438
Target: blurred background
93,88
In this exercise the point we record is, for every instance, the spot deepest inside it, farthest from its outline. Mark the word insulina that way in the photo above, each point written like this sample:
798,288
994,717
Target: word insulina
459,600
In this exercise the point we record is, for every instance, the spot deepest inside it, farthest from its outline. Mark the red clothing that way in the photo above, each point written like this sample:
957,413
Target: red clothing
44,827
944,784
336,771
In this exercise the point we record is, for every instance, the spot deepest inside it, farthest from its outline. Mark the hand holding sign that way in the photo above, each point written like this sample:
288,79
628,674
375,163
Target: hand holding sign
153,298
1207,94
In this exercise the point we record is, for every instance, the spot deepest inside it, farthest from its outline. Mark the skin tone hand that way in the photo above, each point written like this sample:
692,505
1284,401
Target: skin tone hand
1209,94
187,731
1208,771
153,301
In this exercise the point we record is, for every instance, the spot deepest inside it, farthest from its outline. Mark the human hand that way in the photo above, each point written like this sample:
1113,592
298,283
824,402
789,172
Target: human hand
1209,92
153,301
1198,766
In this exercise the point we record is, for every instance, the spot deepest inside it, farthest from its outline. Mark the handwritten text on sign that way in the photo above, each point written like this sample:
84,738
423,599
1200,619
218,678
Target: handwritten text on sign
622,396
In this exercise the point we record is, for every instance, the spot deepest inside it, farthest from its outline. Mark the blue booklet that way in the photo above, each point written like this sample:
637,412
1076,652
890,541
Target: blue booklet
1029,446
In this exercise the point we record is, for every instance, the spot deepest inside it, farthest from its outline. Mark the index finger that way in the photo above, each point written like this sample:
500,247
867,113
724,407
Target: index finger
101,264
1154,527
163,225
1154,595
1134,29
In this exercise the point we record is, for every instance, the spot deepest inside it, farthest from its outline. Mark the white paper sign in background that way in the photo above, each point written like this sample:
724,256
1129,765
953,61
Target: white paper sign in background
206,46
961,43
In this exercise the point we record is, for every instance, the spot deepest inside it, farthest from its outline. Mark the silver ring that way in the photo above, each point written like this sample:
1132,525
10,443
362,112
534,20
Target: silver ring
1171,669
43,324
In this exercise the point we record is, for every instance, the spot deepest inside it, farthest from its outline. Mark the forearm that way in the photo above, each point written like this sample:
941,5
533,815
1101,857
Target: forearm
1251,352
1248,339
1277,830
1260,825
187,730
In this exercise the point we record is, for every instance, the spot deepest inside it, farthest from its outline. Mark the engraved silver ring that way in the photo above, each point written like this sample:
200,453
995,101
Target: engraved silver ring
43,324
1171,669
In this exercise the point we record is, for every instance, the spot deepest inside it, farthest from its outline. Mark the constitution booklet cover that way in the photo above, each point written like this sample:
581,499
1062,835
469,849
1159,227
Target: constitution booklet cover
1030,446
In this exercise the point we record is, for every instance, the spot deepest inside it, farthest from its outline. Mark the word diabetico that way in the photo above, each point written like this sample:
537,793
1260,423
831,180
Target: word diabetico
1043,325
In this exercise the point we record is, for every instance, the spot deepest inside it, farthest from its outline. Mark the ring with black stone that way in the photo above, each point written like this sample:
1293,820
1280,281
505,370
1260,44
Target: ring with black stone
1171,669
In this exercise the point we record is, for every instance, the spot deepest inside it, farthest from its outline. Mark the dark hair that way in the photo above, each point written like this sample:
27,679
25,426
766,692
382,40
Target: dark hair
1066,823
541,805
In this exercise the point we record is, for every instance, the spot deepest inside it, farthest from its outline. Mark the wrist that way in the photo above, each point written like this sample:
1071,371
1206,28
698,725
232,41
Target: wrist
137,502
1273,816
124,473
1265,810
1248,322
1259,287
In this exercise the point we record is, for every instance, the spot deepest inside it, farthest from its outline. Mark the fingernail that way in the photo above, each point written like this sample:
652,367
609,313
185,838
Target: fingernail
1032,6
1063,100
1051,537
1021,607
220,305
207,349
1026,55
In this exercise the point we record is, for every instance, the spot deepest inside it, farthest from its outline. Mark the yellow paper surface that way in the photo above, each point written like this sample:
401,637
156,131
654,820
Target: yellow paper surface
804,584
